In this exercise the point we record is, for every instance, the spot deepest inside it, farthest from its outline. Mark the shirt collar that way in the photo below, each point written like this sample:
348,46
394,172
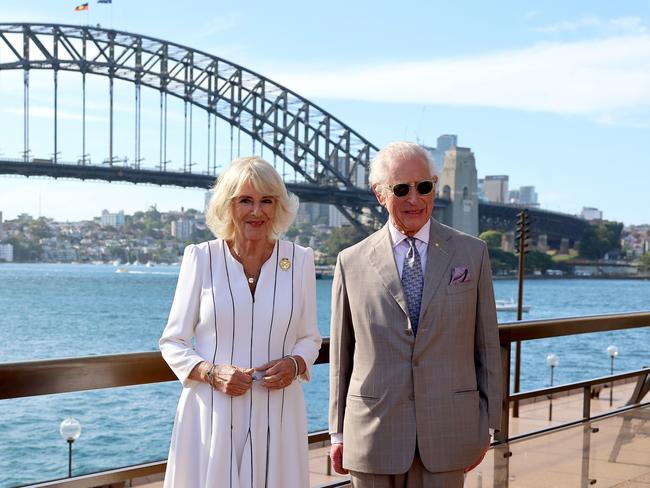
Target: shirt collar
397,237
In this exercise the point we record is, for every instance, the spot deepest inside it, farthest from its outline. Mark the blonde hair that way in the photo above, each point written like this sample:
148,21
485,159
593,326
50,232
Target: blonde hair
266,180
397,150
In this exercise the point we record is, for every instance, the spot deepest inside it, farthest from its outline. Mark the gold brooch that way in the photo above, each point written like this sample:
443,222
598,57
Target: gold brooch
285,264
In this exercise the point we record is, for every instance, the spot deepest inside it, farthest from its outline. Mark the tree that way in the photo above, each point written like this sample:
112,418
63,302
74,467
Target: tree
645,262
538,260
339,239
492,238
502,261
599,239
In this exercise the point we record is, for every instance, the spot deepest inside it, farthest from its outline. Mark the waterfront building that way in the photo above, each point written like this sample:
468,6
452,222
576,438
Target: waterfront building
112,219
496,188
7,253
1,232
443,144
183,229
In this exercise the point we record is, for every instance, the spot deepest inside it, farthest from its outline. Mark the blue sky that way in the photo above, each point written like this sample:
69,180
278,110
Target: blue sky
553,94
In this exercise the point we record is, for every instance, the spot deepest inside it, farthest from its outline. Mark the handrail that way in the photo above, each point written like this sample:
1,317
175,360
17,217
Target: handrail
544,329
578,385
34,378
31,378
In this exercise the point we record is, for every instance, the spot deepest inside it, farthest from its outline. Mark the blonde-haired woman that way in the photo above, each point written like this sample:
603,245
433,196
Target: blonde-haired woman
242,330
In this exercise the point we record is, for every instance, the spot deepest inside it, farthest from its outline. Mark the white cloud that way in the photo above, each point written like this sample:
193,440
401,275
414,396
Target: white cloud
619,25
579,78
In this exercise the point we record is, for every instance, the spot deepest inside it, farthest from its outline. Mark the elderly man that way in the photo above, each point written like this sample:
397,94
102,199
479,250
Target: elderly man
415,367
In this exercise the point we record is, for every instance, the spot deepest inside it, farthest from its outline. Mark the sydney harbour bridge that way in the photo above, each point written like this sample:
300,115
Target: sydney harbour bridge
239,112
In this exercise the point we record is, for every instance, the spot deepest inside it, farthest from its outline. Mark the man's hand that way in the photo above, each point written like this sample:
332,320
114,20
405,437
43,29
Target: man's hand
336,453
480,458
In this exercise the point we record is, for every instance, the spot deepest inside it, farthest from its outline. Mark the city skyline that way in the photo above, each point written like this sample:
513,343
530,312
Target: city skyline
553,96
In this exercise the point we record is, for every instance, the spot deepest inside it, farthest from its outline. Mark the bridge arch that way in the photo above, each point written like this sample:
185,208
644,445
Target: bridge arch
320,148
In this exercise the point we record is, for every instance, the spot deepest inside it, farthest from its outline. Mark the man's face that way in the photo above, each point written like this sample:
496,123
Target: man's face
408,213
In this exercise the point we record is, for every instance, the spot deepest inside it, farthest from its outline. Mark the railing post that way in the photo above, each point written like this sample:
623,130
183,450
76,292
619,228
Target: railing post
502,451
586,402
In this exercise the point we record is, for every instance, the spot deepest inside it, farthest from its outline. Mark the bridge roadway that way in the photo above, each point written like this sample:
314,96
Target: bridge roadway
502,217
306,192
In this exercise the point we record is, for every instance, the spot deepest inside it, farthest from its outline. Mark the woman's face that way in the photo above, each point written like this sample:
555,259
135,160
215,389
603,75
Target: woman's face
253,214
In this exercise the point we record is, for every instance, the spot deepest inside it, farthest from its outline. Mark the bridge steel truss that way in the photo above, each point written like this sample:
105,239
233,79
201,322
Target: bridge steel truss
321,150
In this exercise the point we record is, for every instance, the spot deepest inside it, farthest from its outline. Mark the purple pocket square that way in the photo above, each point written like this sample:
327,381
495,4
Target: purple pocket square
459,274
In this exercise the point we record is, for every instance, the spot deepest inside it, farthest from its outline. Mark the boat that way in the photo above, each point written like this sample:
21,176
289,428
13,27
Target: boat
149,264
509,306
122,269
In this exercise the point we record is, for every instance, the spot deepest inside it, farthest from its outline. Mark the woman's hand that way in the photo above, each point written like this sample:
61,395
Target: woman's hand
228,379
280,373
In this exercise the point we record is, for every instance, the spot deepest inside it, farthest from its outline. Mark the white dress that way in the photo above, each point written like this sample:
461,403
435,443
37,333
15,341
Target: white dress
259,439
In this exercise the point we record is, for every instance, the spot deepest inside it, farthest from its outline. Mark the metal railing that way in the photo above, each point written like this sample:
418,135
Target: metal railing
33,378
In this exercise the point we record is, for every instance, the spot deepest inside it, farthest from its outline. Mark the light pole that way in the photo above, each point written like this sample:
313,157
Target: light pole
613,352
70,430
552,360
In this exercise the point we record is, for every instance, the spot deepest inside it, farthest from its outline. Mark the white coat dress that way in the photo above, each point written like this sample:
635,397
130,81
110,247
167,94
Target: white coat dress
259,439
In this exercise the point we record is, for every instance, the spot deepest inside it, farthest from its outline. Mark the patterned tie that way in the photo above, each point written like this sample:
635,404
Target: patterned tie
413,282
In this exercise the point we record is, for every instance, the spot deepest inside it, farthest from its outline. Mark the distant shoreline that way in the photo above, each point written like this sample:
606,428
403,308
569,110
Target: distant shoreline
324,276
572,277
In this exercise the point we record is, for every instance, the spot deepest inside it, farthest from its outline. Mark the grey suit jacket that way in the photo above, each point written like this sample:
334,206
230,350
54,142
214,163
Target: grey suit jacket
389,387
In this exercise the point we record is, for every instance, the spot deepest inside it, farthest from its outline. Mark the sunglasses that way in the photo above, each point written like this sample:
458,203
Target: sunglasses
423,187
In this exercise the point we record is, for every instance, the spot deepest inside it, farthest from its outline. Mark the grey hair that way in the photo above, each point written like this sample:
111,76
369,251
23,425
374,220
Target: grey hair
266,180
397,150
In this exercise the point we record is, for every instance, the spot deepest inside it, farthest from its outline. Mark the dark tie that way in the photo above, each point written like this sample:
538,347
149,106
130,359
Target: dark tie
412,282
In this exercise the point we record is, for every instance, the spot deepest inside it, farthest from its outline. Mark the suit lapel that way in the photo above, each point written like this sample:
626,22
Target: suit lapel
382,258
439,254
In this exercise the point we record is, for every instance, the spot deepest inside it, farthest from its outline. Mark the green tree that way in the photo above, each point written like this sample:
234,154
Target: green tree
537,260
502,261
339,239
599,239
25,250
492,238
645,262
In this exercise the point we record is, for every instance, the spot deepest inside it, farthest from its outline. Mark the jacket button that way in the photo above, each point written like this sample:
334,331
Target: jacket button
416,363
411,397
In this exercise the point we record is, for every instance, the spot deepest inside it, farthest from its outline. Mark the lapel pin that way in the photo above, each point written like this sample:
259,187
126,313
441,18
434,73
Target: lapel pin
285,264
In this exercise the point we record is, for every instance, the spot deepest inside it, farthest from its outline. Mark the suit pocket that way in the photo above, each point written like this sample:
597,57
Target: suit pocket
466,414
455,288
357,396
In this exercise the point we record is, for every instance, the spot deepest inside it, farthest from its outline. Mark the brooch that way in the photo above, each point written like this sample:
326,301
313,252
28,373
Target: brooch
285,264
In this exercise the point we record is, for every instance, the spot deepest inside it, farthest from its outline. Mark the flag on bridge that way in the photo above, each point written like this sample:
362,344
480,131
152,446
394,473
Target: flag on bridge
104,1
79,8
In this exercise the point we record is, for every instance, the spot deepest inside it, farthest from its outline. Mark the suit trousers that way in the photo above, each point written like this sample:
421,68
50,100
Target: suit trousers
416,477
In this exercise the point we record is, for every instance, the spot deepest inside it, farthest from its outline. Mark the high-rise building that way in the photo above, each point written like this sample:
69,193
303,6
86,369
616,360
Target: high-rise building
313,213
443,144
528,195
112,219
591,213
496,188
1,230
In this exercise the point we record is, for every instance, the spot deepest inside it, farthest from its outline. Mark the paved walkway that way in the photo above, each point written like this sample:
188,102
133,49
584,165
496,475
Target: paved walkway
614,452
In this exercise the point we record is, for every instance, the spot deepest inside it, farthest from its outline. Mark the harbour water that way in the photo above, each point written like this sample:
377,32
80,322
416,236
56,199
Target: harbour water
58,310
